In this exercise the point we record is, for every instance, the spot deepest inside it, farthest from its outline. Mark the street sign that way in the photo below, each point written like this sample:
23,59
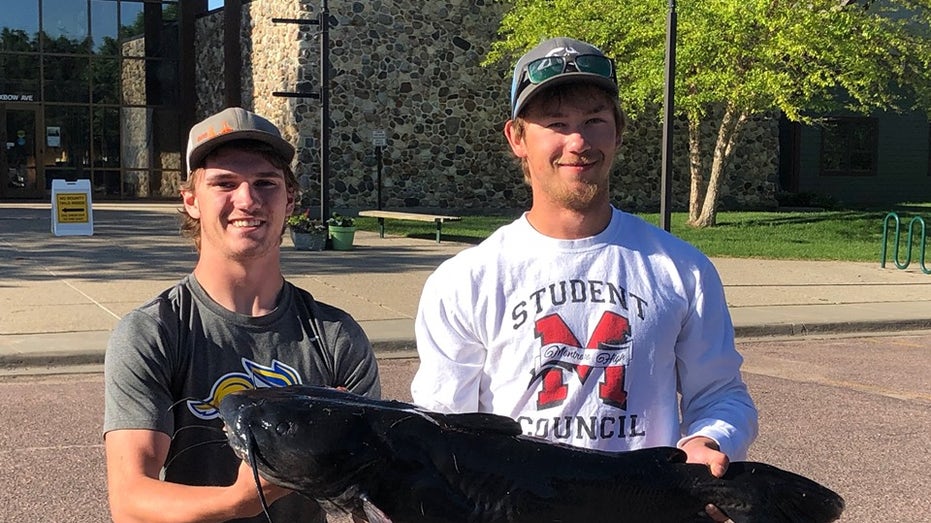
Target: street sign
379,139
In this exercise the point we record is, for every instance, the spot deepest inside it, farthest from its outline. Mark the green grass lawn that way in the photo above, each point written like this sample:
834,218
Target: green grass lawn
851,235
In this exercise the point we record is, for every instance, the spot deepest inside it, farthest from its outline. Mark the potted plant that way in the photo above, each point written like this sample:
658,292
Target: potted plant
342,231
308,234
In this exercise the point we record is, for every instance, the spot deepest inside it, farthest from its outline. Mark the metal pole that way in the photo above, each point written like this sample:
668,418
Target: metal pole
668,110
378,159
324,22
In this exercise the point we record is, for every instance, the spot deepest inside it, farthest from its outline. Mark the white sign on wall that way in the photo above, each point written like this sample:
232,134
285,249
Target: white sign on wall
379,138
4,97
53,136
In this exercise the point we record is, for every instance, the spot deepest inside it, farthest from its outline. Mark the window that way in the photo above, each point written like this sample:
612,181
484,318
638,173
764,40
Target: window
103,77
848,147
65,26
104,27
19,77
66,79
19,25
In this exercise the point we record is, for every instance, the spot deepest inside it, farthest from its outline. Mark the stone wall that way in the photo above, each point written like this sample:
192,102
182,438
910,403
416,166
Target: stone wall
208,50
412,69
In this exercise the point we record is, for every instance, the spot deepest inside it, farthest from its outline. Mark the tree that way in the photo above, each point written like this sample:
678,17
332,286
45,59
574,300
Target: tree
736,59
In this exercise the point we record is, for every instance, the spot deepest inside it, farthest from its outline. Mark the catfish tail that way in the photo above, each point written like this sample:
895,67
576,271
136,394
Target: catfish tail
758,493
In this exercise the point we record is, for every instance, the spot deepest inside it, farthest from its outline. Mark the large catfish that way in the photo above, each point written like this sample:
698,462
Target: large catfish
389,461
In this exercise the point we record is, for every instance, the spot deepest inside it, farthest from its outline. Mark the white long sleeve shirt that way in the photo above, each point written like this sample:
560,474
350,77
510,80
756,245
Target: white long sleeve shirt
597,342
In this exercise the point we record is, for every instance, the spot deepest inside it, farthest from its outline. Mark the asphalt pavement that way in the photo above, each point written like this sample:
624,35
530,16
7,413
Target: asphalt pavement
852,413
61,295
846,411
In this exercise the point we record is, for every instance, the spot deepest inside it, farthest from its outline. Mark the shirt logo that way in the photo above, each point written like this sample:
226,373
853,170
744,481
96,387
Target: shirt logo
608,349
256,377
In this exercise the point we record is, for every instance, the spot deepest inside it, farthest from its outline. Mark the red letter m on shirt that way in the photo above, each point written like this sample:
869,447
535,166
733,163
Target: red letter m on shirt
611,332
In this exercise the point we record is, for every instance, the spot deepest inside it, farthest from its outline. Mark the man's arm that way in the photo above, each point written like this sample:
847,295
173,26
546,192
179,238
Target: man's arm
715,401
134,459
451,357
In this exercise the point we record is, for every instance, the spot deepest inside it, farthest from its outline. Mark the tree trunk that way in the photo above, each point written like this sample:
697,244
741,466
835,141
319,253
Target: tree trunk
696,174
731,122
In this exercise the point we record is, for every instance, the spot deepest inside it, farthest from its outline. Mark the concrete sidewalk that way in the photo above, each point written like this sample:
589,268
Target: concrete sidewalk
60,296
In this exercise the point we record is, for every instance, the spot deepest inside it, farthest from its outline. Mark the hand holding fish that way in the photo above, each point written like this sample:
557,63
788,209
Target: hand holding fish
246,484
706,451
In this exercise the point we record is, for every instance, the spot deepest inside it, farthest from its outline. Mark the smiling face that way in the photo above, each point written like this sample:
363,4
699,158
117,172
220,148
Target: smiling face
240,201
566,143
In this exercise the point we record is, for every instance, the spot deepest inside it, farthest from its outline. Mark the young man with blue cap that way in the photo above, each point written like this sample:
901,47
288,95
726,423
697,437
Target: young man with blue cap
234,323
584,323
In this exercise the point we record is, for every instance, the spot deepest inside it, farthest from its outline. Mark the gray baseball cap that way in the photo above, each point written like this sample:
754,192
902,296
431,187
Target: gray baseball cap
234,123
556,61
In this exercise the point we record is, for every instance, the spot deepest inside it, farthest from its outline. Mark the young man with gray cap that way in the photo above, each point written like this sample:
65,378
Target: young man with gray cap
233,323
584,323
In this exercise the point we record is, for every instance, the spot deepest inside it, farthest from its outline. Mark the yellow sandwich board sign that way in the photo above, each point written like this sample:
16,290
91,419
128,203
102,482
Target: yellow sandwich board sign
72,213
72,207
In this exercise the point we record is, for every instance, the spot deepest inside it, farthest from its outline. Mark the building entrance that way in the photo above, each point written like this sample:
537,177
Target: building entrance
21,176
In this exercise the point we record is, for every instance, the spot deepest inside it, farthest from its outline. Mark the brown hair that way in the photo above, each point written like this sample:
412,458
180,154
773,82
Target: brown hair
558,95
190,226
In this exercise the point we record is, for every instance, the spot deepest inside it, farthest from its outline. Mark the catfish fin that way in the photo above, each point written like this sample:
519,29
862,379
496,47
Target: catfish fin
758,490
483,422
372,513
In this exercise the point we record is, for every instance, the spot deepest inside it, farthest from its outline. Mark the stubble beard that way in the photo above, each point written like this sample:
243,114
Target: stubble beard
579,198
579,195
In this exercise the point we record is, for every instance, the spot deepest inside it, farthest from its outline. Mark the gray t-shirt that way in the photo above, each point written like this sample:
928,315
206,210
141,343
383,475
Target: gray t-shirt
170,362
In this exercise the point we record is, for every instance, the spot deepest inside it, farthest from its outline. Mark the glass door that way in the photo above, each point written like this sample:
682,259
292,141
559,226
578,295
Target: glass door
20,174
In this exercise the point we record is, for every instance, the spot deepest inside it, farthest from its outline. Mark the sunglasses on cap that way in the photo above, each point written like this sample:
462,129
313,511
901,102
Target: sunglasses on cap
542,69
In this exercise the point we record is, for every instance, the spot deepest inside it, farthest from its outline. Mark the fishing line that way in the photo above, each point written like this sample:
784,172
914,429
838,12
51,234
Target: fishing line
188,427
189,398
194,446
253,447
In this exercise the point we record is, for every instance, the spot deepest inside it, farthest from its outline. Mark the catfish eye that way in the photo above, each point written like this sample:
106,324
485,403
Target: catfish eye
283,428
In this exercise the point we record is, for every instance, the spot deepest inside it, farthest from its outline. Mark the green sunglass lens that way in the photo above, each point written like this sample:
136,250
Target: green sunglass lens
540,70
594,64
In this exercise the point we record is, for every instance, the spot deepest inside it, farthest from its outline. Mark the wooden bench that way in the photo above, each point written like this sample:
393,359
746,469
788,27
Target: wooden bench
438,219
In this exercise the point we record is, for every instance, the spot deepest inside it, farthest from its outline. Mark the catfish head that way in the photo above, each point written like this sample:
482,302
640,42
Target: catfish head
321,447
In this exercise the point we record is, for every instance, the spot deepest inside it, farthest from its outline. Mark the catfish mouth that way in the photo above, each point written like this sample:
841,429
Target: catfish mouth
238,433
318,445
242,444
245,447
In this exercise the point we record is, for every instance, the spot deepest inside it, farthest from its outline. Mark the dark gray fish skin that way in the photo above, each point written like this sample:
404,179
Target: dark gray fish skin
390,461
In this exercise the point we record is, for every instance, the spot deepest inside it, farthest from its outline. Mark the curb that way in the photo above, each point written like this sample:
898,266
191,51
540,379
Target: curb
388,349
846,327
396,348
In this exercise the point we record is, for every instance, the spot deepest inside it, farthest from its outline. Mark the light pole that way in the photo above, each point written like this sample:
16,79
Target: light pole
668,109
324,23
323,94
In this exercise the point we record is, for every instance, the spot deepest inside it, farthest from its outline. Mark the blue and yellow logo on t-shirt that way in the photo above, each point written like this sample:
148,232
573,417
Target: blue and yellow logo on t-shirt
256,377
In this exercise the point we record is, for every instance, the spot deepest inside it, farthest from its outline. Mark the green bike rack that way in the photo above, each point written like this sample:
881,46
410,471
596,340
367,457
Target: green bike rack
908,242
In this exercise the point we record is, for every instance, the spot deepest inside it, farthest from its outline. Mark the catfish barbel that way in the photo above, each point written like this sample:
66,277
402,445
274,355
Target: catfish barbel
393,462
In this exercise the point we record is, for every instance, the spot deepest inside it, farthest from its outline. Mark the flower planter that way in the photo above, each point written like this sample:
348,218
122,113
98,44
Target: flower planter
342,237
308,241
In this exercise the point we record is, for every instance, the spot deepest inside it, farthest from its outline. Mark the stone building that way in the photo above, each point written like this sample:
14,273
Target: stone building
408,69
413,71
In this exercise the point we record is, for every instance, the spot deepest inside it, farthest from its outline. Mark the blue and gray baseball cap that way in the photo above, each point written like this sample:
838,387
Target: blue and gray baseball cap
559,61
